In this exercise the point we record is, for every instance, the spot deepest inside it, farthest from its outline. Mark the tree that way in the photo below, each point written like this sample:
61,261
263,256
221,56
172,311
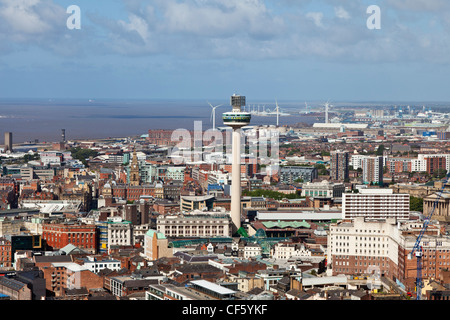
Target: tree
380,150
416,204
440,173
83,154
271,194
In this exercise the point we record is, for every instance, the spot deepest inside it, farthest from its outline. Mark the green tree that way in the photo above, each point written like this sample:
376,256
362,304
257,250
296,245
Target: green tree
416,204
270,194
380,150
83,154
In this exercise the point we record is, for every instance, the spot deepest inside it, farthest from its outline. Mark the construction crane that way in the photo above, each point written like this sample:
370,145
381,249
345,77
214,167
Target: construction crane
417,249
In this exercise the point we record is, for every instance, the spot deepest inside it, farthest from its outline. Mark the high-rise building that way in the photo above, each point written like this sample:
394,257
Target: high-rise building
434,164
8,142
339,165
373,170
236,119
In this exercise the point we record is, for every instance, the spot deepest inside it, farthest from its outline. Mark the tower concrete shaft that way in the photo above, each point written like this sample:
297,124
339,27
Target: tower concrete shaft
236,179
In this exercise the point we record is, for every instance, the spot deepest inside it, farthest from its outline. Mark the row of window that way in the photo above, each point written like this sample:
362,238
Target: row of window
357,230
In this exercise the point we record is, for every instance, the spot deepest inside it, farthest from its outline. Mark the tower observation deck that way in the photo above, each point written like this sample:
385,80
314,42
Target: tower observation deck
236,118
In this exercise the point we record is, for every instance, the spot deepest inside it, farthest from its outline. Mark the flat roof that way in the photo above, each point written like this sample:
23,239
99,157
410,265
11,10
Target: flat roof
298,216
72,266
317,281
213,287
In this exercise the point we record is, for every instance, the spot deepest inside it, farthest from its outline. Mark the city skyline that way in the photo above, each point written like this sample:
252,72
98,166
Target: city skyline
289,50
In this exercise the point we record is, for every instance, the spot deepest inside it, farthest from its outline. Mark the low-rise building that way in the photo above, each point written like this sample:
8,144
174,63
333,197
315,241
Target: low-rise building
323,189
156,245
195,224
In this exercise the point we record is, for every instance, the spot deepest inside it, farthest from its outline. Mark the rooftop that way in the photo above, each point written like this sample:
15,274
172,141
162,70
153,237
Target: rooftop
213,287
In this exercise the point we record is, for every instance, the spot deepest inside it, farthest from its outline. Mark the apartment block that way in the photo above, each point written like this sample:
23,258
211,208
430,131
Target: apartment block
289,174
339,165
375,204
372,170
444,158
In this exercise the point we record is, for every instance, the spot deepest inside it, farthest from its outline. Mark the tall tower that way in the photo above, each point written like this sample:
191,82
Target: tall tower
236,119
63,135
339,166
373,170
8,141
134,171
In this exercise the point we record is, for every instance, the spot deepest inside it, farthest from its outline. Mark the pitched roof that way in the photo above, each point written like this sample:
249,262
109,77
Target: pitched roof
11,283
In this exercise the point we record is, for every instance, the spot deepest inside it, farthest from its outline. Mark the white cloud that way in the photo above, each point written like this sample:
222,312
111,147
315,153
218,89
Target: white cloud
137,24
240,29
28,18
316,17
341,13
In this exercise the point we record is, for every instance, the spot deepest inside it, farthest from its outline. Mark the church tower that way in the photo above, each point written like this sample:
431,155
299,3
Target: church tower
134,171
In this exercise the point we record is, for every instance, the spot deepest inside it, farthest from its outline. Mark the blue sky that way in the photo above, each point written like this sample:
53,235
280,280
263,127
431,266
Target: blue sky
208,49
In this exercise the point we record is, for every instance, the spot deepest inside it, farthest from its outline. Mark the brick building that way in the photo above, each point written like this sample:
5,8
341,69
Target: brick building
82,236
16,290
69,275
5,254
434,164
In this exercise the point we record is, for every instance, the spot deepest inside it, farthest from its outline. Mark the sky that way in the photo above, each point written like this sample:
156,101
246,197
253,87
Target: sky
299,50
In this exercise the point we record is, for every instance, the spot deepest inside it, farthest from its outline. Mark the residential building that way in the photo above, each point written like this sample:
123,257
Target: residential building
373,170
290,174
399,165
339,166
357,161
434,164
373,203
6,258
